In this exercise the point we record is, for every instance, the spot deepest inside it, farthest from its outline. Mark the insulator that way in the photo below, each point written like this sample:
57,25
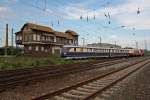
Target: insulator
87,18
58,22
138,12
105,15
109,22
123,26
52,24
94,17
81,17
109,15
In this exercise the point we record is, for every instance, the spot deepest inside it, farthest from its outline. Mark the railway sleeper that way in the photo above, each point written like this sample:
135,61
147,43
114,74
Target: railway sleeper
58,98
77,92
97,85
72,96
85,90
90,87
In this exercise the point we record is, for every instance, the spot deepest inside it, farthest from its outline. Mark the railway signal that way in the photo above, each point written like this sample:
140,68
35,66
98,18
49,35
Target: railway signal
105,14
81,17
94,17
138,11
109,22
52,24
58,22
87,18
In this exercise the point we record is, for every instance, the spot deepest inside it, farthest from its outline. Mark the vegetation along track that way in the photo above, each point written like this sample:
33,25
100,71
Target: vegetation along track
87,90
12,78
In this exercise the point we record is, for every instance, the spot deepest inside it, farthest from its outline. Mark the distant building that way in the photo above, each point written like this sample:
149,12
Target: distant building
42,40
105,45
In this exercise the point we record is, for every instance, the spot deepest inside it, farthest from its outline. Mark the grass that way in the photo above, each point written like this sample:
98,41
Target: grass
10,63
147,53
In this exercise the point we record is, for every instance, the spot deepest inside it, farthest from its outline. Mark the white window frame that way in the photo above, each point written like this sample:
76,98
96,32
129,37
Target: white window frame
36,48
42,48
30,48
38,38
34,37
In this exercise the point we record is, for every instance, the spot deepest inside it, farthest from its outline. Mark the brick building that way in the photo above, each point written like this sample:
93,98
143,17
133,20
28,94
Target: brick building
42,40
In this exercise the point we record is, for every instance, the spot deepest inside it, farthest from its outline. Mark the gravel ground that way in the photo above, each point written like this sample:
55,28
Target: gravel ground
28,91
135,87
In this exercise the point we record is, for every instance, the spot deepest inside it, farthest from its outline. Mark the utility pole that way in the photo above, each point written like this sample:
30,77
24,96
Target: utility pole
83,41
12,40
145,43
0,41
115,44
6,40
100,40
136,44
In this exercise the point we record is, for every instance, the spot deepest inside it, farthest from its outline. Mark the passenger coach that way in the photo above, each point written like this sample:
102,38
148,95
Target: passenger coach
92,52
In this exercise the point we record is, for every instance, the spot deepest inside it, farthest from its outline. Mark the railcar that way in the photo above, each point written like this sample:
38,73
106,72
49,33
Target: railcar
136,52
76,52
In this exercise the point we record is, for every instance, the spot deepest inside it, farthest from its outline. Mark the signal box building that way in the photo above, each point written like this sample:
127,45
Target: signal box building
38,40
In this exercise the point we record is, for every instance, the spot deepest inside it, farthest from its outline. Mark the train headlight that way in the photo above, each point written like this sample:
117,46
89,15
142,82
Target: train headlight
65,53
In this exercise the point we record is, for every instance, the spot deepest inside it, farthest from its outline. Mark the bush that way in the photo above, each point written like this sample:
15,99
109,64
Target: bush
10,51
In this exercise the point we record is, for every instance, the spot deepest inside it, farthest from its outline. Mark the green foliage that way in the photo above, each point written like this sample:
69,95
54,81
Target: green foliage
9,63
10,51
147,53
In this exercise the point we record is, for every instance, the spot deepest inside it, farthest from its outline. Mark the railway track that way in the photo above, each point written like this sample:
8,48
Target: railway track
23,76
87,90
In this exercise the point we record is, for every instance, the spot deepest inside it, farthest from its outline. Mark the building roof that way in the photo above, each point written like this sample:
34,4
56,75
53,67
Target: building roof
69,36
19,32
72,32
60,34
38,27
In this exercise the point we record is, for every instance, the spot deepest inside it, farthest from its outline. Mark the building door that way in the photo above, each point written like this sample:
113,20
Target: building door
57,51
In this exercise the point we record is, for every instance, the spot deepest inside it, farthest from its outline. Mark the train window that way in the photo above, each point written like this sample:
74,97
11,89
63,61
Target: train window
104,50
89,49
81,49
107,50
100,50
75,49
71,50
111,50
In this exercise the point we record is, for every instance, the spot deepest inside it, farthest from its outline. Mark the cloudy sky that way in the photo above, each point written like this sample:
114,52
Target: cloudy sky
115,20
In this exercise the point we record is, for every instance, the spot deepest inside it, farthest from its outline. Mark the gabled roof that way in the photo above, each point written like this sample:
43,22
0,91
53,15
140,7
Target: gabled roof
38,27
72,32
60,34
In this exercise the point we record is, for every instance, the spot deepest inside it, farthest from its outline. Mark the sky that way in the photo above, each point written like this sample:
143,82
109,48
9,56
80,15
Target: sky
126,26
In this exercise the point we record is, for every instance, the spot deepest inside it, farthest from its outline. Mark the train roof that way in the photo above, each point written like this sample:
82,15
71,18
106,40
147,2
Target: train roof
74,46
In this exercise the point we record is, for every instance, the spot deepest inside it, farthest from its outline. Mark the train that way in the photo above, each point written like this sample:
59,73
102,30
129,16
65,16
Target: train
79,52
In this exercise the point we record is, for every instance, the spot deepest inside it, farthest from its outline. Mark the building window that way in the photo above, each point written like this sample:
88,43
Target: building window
43,38
38,38
26,38
18,37
45,50
42,48
34,37
36,48
30,48
30,37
